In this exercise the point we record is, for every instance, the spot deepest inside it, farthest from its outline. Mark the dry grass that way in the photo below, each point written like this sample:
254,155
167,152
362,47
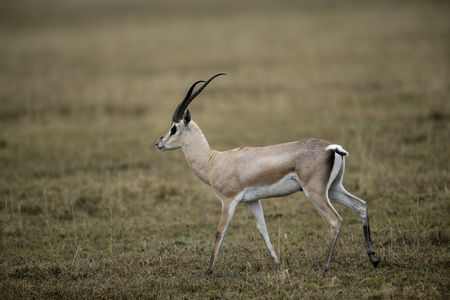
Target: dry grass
90,209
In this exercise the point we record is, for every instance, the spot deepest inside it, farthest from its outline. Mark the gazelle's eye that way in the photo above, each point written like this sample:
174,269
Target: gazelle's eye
173,130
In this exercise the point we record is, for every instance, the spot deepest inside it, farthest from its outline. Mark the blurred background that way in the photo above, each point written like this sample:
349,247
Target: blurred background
87,87
293,65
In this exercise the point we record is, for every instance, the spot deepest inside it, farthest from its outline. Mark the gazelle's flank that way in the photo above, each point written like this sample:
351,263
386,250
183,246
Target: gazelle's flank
249,174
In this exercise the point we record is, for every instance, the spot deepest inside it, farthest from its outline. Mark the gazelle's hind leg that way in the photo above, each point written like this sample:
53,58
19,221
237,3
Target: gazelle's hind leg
338,193
323,205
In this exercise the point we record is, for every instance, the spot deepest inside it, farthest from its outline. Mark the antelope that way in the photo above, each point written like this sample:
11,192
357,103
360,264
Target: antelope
249,174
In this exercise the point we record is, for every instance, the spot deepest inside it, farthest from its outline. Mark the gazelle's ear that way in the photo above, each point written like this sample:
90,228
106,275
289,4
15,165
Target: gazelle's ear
187,117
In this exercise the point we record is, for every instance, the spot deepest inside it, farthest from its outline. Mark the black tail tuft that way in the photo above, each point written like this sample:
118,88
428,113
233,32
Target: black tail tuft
338,149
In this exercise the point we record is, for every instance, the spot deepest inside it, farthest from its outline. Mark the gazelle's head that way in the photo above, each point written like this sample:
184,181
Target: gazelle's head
181,119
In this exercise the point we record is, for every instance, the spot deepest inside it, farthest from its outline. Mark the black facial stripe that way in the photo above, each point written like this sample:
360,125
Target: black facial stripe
173,130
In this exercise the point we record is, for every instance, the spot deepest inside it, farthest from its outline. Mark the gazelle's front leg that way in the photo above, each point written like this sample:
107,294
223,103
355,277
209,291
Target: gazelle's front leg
228,208
257,211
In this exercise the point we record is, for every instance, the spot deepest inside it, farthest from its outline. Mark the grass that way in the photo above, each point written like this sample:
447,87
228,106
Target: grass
90,209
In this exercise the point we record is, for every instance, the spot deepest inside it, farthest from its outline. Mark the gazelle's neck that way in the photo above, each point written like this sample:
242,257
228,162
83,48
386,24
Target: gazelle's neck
199,154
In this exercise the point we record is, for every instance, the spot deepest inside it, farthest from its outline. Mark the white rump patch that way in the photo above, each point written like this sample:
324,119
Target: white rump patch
338,149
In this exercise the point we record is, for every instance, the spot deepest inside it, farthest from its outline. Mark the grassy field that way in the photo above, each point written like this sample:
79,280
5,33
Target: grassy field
89,208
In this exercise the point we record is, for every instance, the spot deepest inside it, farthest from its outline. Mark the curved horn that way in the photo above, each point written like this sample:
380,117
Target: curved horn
179,112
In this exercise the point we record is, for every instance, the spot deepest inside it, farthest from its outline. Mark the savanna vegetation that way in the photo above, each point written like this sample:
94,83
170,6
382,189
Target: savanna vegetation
90,209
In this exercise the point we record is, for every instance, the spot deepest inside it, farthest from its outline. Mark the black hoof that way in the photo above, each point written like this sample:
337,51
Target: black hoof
374,261
325,268
208,272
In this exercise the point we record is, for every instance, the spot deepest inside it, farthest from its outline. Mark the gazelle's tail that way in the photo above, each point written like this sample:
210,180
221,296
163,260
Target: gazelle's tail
338,149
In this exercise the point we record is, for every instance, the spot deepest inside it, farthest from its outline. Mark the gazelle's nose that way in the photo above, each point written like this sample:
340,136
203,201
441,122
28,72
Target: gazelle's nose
159,142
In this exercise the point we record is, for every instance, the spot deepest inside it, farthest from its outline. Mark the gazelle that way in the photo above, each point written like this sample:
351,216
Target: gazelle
248,174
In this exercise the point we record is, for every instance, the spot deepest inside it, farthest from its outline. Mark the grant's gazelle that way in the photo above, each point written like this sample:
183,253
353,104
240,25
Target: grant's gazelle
248,174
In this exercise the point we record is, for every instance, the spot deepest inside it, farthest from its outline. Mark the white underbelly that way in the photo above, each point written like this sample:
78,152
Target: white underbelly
286,186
